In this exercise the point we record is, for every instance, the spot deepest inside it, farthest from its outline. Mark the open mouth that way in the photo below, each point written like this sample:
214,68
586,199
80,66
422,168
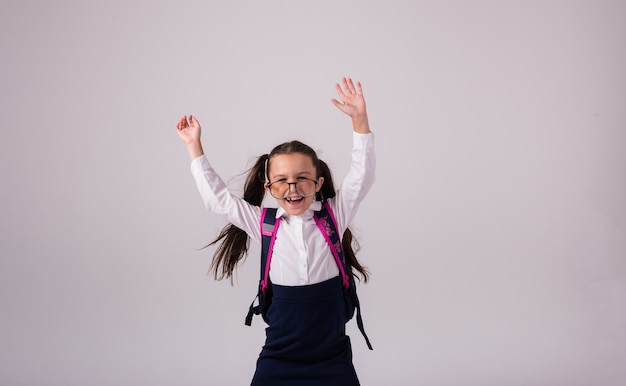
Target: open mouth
294,200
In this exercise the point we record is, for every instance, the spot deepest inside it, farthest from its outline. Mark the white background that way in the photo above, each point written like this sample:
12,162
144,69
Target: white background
495,233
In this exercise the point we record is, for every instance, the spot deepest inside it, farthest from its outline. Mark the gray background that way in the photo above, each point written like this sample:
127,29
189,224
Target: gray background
495,231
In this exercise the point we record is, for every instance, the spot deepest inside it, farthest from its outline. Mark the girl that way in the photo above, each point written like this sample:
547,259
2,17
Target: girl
305,342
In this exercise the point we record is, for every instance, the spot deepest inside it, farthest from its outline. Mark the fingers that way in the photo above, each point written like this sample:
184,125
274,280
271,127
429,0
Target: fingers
348,83
339,91
344,81
348,88
183,123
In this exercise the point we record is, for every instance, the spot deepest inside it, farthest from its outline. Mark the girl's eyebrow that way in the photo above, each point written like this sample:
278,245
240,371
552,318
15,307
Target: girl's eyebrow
284,176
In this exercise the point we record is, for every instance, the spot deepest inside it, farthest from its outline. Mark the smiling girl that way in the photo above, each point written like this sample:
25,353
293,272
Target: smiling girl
306,343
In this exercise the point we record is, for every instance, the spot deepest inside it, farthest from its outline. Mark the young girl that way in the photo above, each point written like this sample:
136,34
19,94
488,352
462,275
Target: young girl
305,342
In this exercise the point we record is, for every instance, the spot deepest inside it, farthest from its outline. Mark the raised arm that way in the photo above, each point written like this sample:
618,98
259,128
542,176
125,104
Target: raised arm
353,104
361,174
213,190
189,130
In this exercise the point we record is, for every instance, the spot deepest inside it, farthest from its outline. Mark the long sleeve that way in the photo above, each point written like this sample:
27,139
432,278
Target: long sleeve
358,180
219,200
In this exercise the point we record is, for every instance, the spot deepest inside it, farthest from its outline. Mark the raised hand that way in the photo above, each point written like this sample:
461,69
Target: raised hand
188,129
353,104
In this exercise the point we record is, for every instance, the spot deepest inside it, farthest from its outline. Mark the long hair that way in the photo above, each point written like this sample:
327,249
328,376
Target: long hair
234,242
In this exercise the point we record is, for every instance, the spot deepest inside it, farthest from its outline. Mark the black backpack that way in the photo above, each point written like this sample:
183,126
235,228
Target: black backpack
325,220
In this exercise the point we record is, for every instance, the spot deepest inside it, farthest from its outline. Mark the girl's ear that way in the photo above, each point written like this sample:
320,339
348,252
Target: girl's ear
320,182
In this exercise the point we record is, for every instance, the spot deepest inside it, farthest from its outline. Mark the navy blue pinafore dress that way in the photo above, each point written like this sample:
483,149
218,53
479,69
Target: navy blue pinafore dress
306,342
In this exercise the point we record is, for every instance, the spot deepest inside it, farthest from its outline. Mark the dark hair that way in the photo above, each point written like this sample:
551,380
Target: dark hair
235,242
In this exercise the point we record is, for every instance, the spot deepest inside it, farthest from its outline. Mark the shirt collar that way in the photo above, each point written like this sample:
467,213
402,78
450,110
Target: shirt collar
315,206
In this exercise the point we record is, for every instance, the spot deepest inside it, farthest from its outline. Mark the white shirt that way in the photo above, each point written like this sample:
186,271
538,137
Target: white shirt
301,255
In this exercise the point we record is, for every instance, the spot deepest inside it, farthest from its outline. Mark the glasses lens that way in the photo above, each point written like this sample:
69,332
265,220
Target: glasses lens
279,189
305,188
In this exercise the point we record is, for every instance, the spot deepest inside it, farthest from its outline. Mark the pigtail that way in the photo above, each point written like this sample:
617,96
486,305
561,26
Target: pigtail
233,241
328,187
350,244
350,248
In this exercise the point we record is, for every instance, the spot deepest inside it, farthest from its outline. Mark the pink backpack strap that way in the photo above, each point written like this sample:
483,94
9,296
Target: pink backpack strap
269,228
328,226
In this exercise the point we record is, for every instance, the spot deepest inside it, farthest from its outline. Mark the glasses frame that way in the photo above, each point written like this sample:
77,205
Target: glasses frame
269,187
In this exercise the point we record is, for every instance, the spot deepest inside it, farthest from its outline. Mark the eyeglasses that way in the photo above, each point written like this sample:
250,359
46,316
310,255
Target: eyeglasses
305,187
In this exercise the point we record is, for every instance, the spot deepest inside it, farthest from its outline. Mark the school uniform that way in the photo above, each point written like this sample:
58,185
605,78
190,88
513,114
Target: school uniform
306,342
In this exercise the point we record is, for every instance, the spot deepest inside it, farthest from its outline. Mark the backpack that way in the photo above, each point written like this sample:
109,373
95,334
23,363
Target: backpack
325,220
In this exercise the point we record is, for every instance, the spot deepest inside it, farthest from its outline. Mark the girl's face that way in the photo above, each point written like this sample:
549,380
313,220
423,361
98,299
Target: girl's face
285,170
